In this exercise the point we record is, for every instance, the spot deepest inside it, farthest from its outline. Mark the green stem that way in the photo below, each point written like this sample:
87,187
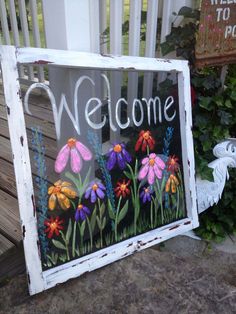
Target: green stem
160,201
100,217
73,240
151,215
66,245
148,150
67,251
81,239
90,232
177,205
117,214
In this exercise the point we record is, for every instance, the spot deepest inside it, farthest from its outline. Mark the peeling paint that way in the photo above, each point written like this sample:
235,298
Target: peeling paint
42,62
175,227
106,55
23,232
34,205
187,223
103,255
22,140
28,277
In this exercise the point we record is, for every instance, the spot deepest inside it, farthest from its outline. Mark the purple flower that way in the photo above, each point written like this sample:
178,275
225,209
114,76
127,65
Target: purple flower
145,195
118,155
81,212
94,191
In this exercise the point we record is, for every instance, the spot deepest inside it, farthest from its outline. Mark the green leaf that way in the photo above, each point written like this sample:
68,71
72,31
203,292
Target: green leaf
228,103
163,184
70,176
93,219
167,48
69,231
82,228
128,175
99,223
110,211
206,103
86,180
102,209
104,223
59,245
123,212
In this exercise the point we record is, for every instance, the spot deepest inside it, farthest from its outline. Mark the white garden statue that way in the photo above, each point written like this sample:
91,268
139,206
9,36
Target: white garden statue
209,193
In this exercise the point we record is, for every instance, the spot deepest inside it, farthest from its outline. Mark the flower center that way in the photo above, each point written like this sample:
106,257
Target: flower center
117,148
53,225
57,189
146,135
146,190
71,142
123,187
152,162
80,207
95,187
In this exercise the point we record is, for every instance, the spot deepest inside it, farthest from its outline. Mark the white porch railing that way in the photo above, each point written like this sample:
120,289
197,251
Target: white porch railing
22,25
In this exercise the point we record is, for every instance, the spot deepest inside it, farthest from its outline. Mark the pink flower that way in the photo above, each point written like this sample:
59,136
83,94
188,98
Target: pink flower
75,150
153,166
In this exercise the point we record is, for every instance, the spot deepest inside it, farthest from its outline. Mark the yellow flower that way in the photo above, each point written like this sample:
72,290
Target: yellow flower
172,184
61,192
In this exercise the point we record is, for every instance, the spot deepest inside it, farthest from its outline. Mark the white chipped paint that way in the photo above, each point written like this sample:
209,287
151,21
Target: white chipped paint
22,168
39,280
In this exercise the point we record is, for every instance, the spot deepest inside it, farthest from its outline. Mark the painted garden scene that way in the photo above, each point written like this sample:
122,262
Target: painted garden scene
112,178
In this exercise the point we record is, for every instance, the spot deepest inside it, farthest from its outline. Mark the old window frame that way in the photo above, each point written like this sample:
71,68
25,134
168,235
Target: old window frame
11,57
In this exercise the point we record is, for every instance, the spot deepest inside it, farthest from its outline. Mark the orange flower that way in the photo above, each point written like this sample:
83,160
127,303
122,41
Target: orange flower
145,139
122,188
172,184
53,226
61,192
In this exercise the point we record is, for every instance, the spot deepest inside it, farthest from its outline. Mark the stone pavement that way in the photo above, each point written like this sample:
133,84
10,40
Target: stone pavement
183,276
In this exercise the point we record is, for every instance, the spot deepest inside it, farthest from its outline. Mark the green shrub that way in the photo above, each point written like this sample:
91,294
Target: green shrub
214,118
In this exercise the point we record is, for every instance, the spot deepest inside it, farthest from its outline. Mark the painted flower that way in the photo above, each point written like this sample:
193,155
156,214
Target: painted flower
172,164
61,192
145,195
53,226
171,184
152,166
94,191
145,139
75,150
122,188
118,155
81,212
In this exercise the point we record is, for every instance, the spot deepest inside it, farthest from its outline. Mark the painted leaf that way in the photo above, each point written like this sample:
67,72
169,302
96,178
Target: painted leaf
123,212
99,223
104,223
102,209
58,244
82,228
69,231
128,175
93,219
110,211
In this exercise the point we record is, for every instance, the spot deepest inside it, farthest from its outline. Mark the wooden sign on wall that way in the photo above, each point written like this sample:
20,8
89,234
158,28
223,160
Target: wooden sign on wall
216,42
